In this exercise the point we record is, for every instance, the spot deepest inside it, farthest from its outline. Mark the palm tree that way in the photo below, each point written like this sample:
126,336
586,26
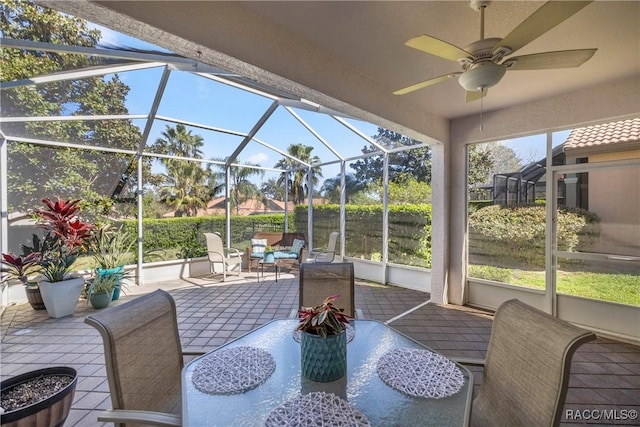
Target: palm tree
242,189
186,188
298,187
179,142
331,188
187,185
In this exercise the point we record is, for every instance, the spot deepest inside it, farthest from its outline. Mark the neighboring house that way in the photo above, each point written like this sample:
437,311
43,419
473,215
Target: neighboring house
249,207
600,191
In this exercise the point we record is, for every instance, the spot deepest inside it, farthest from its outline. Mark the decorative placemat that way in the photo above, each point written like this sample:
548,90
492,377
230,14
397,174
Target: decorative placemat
234,370
420,373
316,409
349,329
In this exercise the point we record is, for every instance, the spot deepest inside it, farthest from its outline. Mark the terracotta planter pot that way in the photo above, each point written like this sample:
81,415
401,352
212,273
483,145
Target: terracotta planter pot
61,298
50,412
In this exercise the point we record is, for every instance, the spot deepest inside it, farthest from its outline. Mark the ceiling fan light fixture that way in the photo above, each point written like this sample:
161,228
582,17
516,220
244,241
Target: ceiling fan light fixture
481,76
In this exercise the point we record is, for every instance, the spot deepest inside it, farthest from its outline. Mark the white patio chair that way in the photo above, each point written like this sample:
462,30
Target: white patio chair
328,254
230,259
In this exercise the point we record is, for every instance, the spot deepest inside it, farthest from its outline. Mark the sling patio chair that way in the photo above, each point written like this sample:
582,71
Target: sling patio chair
144,360
320,280
230,259
526,370
325,255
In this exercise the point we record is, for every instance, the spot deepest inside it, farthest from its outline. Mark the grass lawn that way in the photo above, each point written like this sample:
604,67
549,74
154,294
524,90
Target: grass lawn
622,288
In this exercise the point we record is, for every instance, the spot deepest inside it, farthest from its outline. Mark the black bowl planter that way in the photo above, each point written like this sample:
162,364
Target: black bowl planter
52,411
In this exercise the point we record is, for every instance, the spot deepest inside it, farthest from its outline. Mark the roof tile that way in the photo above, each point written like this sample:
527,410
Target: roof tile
604,134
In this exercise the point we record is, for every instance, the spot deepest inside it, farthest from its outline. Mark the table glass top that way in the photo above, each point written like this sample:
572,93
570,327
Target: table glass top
361,387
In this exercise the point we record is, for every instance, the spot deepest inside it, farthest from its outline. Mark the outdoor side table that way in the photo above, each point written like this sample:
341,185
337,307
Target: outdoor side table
262,263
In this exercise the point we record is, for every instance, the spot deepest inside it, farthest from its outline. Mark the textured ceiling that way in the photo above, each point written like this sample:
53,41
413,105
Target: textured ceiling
354,53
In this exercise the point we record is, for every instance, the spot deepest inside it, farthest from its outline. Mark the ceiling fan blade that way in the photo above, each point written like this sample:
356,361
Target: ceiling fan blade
542,20
437,47
474,95
551,60
426,83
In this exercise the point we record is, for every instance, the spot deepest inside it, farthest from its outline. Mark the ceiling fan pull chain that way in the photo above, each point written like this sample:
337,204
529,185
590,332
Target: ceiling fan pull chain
481,113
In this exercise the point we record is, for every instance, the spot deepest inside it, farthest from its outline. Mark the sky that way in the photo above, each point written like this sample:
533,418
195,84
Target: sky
195,99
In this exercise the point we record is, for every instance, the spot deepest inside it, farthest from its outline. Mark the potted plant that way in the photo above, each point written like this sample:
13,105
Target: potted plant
269,255
23,268
110,247
40,397
101,288
65,237
323,341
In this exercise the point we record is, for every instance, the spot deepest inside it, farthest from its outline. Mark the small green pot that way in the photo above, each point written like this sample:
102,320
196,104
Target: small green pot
100,299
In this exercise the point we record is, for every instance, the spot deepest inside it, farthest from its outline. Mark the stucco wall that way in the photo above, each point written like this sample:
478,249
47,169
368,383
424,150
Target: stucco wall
614,194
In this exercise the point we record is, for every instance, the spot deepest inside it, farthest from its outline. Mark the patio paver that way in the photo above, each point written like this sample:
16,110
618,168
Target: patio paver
605,373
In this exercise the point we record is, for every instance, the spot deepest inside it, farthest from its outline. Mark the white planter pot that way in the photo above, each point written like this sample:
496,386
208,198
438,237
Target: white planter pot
61,298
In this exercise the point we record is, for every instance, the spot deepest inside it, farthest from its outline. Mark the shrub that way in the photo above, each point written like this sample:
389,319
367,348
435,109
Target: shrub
515,235
409,230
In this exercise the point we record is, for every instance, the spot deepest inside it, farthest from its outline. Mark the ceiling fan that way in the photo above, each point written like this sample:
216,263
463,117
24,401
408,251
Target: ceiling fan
483,61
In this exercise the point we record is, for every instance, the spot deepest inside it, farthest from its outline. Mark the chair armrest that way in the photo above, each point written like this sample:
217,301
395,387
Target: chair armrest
188,352
323,256
468,361
143,417
233,252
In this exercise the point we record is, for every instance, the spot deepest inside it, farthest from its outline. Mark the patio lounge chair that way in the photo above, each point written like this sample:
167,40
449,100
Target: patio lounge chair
144,360
318,281
328,254
231,259
526,372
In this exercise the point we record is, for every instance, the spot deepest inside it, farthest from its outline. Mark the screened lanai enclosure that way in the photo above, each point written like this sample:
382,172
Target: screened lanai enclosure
263,122
169,178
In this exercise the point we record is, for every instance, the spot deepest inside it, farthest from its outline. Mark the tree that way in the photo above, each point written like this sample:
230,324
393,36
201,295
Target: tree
187,185
298,187
488,159
179,142
270,188
415,162
480,161
331,188
35,171
242,189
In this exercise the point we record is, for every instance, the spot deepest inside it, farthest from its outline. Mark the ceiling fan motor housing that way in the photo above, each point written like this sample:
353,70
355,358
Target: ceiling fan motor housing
481,72
481,76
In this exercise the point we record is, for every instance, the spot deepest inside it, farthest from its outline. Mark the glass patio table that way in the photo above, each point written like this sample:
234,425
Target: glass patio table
362,387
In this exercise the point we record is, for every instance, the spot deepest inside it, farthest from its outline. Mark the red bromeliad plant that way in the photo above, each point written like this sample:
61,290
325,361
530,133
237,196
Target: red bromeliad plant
324,319
66,236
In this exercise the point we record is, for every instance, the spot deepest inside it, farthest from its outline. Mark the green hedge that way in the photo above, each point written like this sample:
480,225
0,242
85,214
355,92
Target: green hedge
515,235
169,238
409,231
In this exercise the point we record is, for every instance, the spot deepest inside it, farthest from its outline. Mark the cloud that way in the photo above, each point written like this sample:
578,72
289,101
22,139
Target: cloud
258,158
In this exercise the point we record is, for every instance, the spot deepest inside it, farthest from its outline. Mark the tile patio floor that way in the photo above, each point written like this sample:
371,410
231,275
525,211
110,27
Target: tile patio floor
605,374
